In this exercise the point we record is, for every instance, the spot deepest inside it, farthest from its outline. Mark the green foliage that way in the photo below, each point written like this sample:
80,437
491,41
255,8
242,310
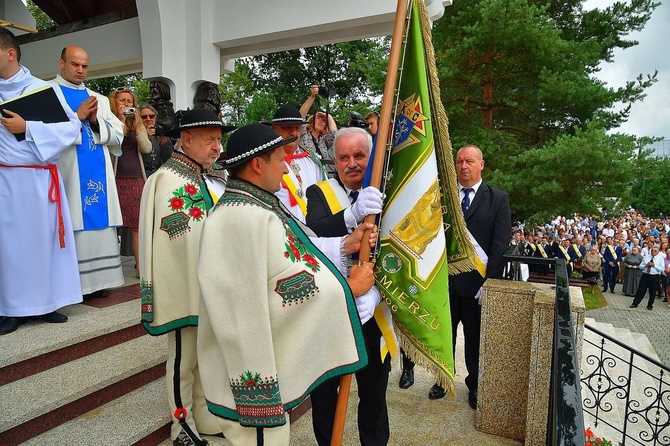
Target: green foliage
518,80
573,173
134,82
650,191
42,21
261,107
236,90
355,70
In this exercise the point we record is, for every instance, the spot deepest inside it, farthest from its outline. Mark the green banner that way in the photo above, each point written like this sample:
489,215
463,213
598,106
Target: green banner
422,231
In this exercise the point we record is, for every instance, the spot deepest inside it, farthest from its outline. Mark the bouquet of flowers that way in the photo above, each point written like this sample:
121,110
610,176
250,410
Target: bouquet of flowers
592,440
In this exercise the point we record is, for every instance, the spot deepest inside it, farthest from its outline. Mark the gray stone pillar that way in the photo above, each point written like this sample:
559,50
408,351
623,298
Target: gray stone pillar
515,357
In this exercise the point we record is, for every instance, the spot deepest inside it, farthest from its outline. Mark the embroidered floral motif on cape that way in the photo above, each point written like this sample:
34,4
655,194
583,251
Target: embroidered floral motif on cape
296,251
257,400
187,202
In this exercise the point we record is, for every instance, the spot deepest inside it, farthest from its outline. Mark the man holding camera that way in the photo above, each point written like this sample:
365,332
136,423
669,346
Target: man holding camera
161,146
86,169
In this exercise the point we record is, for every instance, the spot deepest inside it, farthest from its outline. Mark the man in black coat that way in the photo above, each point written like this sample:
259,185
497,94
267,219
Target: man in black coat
489,219
336,216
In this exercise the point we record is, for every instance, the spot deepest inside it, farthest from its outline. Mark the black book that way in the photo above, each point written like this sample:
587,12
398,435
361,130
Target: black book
36,105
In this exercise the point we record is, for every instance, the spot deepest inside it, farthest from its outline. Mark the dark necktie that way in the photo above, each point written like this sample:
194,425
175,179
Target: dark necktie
465,203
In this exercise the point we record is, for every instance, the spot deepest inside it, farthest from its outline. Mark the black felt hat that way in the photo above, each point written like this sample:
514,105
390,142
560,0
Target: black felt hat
250,141
198,118
286,115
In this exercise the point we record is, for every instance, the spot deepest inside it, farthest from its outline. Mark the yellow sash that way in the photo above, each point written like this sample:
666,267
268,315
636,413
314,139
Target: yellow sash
565,253
576,249
337,199
293,190
612,251
544,254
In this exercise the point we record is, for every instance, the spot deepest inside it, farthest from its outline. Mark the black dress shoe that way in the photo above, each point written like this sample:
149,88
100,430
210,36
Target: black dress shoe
9,325
96,294
649,308
406,379
632,306
436,392
53,318
472,399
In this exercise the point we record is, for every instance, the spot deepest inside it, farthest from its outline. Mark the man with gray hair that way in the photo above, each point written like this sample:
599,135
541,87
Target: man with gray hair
336,207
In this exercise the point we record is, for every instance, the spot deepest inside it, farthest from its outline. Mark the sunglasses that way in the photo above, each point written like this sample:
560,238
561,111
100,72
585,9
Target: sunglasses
149,116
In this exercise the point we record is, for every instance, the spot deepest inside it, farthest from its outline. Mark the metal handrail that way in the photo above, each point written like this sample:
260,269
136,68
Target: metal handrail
646,411
628,347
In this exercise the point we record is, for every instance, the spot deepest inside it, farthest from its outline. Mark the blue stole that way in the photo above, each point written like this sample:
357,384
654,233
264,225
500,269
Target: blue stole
92,172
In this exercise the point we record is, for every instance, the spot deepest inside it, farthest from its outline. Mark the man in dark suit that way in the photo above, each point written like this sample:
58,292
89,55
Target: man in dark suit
489,220
612,256
335,208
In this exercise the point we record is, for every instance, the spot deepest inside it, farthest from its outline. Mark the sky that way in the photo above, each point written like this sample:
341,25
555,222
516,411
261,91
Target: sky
652,116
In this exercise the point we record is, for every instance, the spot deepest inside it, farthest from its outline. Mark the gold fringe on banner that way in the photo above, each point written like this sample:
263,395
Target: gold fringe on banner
463,260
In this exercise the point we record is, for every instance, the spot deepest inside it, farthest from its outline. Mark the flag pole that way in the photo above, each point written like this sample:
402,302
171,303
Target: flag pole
383,129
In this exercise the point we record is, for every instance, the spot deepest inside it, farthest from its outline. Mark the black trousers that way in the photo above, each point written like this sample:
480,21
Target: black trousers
373,420
467,311
609,278
648,282
407,364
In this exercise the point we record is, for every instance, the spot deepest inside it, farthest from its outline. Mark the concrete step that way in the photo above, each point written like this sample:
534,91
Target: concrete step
41,393
127,420
59,377
85,322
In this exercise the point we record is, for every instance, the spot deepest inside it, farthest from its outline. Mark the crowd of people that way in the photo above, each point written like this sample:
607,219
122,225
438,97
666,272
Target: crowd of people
631,250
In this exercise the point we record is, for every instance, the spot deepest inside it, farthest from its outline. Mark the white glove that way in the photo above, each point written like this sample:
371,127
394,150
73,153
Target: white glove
366,304
479,295
369,202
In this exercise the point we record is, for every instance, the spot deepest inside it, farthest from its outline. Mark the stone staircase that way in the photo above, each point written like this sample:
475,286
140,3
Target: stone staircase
97,379
643,377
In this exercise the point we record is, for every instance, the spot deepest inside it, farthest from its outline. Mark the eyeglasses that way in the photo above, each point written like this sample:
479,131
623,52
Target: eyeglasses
150,116
120,89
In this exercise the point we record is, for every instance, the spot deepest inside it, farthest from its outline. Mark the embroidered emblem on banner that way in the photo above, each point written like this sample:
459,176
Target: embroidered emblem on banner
391,263
296,289
410,117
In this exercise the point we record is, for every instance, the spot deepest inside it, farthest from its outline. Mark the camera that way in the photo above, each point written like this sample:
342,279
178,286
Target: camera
130,111
161,129
326,92
355,119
